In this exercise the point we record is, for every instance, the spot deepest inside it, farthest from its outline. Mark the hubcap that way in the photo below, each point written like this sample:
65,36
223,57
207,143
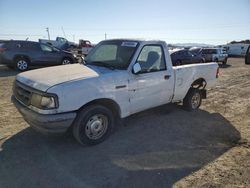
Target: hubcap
195,101
66,62
96,126
22,65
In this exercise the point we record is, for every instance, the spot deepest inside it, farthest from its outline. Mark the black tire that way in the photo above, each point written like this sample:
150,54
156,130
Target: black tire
21,64
67,61
224,62
87,124
178,62
188,101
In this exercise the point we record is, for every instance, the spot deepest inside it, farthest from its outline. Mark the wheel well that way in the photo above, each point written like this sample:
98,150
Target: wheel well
108,103
21,56
199,83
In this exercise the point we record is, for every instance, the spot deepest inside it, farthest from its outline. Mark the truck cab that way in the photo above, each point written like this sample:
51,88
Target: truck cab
119,77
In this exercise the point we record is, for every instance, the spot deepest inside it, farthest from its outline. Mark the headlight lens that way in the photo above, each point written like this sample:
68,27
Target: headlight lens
43,102
48,102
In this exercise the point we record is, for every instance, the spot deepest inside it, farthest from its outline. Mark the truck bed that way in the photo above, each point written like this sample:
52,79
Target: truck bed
189,73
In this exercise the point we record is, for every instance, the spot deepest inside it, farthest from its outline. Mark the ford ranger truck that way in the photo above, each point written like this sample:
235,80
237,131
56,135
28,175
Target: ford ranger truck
117,79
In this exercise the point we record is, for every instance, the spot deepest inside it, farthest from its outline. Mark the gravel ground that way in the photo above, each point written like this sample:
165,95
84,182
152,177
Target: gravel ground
161,147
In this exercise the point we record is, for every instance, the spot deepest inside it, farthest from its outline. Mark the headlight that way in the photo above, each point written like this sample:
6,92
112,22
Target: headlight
44,101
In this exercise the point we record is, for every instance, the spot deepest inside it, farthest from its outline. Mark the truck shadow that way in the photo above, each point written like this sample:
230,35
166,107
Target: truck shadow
156,148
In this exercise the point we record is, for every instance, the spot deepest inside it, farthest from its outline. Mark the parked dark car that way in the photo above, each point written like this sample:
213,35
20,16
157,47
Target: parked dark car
23,54
247,57
211,54
183,57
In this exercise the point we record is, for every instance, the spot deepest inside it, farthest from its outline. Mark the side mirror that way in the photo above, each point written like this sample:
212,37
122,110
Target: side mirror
136,68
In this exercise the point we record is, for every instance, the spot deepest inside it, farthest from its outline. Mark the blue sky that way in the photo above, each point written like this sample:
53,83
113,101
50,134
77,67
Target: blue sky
179,21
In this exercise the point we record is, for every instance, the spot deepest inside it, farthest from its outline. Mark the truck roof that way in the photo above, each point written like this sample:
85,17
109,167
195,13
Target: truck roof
136,40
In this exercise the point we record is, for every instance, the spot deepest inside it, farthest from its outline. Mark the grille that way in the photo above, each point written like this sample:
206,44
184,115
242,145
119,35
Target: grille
22,93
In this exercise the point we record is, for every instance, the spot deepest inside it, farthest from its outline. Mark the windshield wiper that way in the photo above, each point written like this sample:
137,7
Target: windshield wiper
102,64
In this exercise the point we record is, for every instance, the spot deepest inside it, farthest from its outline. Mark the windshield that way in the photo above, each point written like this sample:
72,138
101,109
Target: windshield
114,54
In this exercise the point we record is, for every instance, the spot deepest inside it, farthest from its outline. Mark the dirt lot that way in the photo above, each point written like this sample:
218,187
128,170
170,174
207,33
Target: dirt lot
163,147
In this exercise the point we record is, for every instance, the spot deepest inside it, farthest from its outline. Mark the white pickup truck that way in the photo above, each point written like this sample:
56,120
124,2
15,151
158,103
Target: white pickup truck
119,78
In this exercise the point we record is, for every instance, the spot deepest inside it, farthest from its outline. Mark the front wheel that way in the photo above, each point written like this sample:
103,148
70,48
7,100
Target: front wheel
192,101
22,64
67,61
93,125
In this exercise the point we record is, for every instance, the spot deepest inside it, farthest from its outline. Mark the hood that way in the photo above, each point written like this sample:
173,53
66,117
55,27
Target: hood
43,79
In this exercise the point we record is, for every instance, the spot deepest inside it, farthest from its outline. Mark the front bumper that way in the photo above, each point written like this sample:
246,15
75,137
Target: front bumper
45,123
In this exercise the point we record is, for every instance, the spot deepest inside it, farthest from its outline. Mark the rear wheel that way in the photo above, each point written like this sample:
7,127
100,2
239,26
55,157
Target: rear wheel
193,99
93,125
22,64
67,61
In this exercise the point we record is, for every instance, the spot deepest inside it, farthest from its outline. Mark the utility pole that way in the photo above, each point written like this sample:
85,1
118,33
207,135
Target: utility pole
47,29
105,36
64,33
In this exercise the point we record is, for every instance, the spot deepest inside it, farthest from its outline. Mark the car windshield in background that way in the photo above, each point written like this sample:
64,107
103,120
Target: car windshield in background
113,54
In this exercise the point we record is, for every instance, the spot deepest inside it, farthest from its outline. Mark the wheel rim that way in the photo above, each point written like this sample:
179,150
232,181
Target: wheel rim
66,62
96,127
22,65
195,101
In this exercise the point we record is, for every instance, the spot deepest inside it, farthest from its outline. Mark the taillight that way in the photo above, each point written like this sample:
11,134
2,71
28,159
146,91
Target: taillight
2,49
218,72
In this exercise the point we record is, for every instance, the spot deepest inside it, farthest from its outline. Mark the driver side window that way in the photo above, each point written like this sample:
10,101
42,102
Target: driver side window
151,59
46,48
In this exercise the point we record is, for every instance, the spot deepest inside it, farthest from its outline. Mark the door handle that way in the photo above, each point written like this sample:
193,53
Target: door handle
166,77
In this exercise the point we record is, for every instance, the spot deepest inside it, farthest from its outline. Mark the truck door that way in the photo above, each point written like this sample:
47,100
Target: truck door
153,85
